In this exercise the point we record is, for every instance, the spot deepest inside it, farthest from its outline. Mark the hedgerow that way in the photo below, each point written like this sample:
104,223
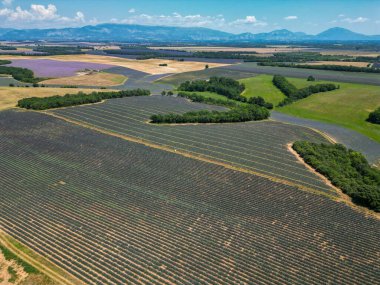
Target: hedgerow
346,169
294,94
76,99
238,114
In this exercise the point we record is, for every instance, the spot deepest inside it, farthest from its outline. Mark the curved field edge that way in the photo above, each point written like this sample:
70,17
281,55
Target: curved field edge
40,263
194,156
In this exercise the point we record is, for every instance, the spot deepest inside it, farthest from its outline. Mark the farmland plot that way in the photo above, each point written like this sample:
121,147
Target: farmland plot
257,146
114,212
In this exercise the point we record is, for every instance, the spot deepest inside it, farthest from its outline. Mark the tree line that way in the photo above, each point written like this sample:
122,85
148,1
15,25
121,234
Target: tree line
323,67
76,99
346,169
294,94
18,73
374,117
221,85
237,114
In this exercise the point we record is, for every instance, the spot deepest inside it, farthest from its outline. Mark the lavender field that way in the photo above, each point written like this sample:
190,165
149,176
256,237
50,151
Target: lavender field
55,68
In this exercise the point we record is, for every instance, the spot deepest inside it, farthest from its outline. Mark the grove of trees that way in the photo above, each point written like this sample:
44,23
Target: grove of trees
221,85
346,169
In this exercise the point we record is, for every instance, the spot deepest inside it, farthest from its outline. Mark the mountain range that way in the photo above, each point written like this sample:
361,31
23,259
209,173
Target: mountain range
140,33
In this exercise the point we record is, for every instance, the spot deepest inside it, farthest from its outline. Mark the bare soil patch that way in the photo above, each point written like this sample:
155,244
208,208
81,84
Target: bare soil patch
89,79
9,96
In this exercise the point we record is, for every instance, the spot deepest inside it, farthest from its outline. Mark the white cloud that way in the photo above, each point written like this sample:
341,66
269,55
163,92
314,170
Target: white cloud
7,2
38,16
174,19
132,10
377,22
356,20
248,21
289,18
341,15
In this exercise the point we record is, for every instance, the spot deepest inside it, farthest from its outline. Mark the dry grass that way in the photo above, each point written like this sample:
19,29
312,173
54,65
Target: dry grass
272,49
341,63
10,95
149,65
351,53
89,79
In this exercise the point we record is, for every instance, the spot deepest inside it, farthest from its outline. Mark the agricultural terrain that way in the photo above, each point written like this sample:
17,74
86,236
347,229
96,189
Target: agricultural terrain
98,194
99,79
259,147
86,201
9,96
151,66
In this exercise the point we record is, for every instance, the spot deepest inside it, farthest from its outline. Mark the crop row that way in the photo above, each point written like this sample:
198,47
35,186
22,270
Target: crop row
257,146
115,212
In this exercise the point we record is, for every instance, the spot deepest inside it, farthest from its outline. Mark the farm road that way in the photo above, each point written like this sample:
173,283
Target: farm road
349,138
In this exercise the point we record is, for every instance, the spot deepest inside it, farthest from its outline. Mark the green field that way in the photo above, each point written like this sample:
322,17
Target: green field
262,86
348,106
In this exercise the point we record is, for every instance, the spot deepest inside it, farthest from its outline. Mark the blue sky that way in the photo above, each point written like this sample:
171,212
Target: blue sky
233,16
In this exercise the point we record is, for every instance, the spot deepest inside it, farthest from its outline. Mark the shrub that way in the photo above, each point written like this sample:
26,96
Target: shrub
374,117
311,78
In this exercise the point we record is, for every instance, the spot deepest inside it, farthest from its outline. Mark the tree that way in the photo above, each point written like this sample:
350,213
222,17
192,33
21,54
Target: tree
170,93
311,78
374,117
206,67
163,93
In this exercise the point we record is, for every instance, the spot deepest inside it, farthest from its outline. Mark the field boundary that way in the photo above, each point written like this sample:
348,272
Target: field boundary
189,155
46,267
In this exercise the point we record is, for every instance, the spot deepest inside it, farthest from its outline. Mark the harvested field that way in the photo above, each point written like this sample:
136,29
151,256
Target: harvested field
149,65
89,79
266,50
9,96
340,63
351,53
86,201
55,68
255,146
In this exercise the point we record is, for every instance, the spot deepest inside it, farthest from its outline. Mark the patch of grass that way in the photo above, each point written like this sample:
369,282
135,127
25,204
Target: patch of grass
13,274
262,86
11,256
348,106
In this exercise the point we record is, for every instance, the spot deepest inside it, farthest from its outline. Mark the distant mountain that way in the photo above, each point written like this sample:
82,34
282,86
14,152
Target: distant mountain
277,35
340,34
139,33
